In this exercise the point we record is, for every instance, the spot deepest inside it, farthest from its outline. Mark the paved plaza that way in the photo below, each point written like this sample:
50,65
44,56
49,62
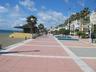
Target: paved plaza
47,54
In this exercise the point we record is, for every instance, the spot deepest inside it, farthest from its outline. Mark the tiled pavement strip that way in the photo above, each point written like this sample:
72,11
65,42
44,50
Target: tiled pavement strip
82,43
53,57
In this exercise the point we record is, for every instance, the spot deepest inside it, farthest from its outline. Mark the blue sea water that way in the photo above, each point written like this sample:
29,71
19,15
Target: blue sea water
66,37
7,31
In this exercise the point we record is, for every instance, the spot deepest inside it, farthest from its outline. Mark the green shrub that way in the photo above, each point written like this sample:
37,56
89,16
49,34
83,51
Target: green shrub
82,34
64,31
56,32
67,32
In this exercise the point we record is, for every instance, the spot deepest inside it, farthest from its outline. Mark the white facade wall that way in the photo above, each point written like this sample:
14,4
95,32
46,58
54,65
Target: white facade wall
74,25
93,18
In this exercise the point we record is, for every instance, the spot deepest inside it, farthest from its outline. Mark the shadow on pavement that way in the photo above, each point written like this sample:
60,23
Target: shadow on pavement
19,51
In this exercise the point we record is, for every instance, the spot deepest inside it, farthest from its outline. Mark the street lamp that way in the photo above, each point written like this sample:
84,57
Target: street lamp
33,27
90,31
32,19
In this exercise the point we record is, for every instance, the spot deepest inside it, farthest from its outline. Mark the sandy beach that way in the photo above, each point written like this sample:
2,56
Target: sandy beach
6,41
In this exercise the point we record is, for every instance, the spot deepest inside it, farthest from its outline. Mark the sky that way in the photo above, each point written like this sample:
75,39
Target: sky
48,12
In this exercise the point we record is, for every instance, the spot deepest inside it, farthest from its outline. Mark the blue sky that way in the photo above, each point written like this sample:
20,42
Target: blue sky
48,12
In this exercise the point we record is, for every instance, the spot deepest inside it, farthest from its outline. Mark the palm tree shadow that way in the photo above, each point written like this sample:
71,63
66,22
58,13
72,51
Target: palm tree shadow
12,52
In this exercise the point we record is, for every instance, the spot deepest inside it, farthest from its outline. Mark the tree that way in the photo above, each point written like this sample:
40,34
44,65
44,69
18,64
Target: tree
66,22
83,14
77,16
31,21
64,31
41,28
61,31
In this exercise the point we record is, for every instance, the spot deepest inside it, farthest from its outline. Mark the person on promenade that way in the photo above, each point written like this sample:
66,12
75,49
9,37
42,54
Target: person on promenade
92,37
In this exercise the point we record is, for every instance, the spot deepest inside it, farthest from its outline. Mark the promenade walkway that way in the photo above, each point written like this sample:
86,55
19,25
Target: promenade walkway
44,54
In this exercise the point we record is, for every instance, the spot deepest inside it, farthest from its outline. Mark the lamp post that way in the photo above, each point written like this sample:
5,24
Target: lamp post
69,25
34,35
32,21
90,32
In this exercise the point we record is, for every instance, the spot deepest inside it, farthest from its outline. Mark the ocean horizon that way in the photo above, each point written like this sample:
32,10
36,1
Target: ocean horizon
7,31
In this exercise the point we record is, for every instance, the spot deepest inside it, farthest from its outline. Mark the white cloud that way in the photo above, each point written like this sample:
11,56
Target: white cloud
18,16
22,19
7,5
81,3
50,18
29,4
18,22
66,1
17,8
12,17
3,9
43,8
15,11
5,23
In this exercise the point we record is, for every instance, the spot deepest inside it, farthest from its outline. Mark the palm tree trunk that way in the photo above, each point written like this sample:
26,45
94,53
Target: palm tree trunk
69,28
81,24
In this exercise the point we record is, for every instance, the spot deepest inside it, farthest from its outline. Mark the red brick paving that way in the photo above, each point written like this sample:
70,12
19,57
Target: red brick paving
23,64
78,44
37,64
55,51
54,48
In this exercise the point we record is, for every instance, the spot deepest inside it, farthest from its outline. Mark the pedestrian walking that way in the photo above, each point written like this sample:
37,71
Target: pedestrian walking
92,37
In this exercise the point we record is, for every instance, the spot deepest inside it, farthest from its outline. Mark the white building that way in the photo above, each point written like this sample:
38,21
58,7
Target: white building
74,25
93,21
93,18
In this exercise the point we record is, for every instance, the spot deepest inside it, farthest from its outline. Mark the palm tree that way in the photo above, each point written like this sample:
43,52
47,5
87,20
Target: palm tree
32,20
71,18
66,22
41,28
83,14
77,16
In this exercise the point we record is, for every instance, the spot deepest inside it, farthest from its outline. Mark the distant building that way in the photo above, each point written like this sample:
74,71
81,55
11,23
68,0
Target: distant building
74,25
93,20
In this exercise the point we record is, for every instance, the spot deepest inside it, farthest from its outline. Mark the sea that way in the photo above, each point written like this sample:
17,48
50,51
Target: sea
7,31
